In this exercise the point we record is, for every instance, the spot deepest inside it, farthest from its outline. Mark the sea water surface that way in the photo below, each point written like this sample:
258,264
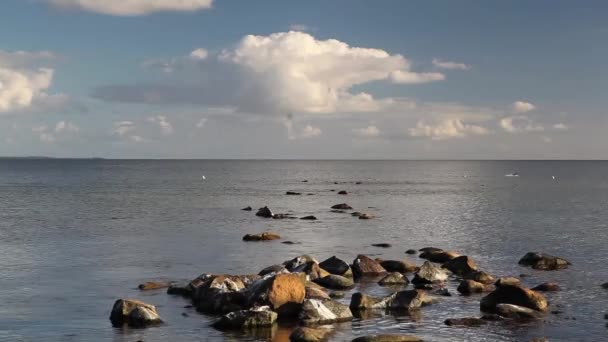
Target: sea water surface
75,235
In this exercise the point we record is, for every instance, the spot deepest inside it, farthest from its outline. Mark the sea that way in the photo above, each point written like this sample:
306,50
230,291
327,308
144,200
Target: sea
77,234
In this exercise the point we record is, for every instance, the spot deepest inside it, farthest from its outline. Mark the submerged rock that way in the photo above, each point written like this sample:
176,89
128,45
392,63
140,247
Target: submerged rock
335,282
342,192
516,295
253,318
545,262
309,217
364,266
334,265
337,211
410,251
508,281
466,322
468,287
461,265
134,313
382,245
394,278
264,212
365,216
293,193
247,208
481,277
154,285
283,293
402,300
315,311
387,338
342,206
437,255
398,266
518,312
547,287
306,334
429,274
266,236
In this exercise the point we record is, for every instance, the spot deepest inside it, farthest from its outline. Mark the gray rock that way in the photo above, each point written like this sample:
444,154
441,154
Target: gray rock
342,206
429,274
402,300
253,318
315,311
545,262
134,313
335,282
518,312
394,278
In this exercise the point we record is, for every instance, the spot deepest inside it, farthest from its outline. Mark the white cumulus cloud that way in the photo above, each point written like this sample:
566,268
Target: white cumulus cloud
121,128
522,107
367,132
447,129
310,131
449,65
133,7
520,124
560,127
199,54
163,123
66,127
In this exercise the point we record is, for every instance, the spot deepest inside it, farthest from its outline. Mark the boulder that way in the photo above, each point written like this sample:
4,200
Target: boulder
337,211
282,216
188,289
410,251
402,300
283,293
387,338
364,266
365,216
342,192
316,311
311,269
335,282
398,266
306,334
134,313
247,208
438,256
508,281
342,206
293,193
288,242
481,277
516,295
298,261
254,318
266,236
309,218
334,265
466,322
393,278
355,214
429,274
154,285
518,312
382,245
547,287
461,265
272,269
545,262
220,294
605,286
316,293
430,249
468,287
264,212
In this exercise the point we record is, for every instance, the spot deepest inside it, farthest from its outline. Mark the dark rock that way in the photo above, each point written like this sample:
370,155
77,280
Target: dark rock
382,245
283,293
492,317
438,256
334,265
539,339
316,293
305,181
253,318
305,334
430,249
134,313
335,282
247,209
547,287
402,300
282,216
516,295
423,286
366,216
355,214
442,291
545,262
337,211
468,287
466,322
358,183
342,192
364,266
605,285
410,251
342,206
398,266
481,277
296,262
461,265
315,311
271,269
266,236
293,193
220,294
508,281
429,274
387,338
264,212
394,278
310,217
288,242
518,312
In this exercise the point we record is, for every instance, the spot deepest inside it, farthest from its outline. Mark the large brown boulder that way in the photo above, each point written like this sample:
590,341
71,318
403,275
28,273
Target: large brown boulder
253,318
134,313
468,287
461,265
545,262
315,311
266,236
366,266
430,274
398,266
334,265
516,295
283,293
402,300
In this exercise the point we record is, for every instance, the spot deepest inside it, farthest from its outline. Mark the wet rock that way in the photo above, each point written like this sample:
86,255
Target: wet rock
316,293
220,294
438,256
355,214
461,265
282,216
468,287
335,282
134,313
466,322
387,338
516,295
283,293
492,317
293,193
272,269
358,183
429,274
334,265
188,289
266,236
311,269
402,300
309,217
337,211
342,192
508,281
296,262
547,287
539,339
545,262
253,318
247,208
366,216
605,286
315,311
337,294
430,249
398,266
410,251
481,277
342,206
288,242
154,285
423,286
264,212
394,278
306,334
518,312
366,266
442,291
382,245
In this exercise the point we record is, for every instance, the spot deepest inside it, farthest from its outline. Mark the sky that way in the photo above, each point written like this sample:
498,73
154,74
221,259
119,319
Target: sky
340,79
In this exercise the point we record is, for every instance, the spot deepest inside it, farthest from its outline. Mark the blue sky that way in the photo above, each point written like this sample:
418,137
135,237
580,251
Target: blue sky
315,79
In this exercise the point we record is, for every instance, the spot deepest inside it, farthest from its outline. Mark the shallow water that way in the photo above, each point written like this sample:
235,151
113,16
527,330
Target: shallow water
77,234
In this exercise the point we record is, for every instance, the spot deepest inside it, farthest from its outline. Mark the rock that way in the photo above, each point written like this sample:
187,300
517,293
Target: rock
516,295
382,245
342,192
337,294
288,242
283,293
605,286
282,216
154,285
316,293
311,269
264,212
296,262
402,300
358,183
492,317
423,286
461,265
335,282
364,266
342,206
547,287
519,312
253,318
220,294
508,281
134,313
188,289
410,251
266,236
366,216
355,214
315,311
272,269
394,278
545,262
305,334
293,193
398,266
468,287
539,339
481,277
430,249
334,265
310,218
442,291
337,211
438,256
429,274
466,322
247,208
387,338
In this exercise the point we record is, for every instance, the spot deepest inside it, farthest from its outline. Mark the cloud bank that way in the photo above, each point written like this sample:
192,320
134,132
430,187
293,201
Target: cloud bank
133,7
